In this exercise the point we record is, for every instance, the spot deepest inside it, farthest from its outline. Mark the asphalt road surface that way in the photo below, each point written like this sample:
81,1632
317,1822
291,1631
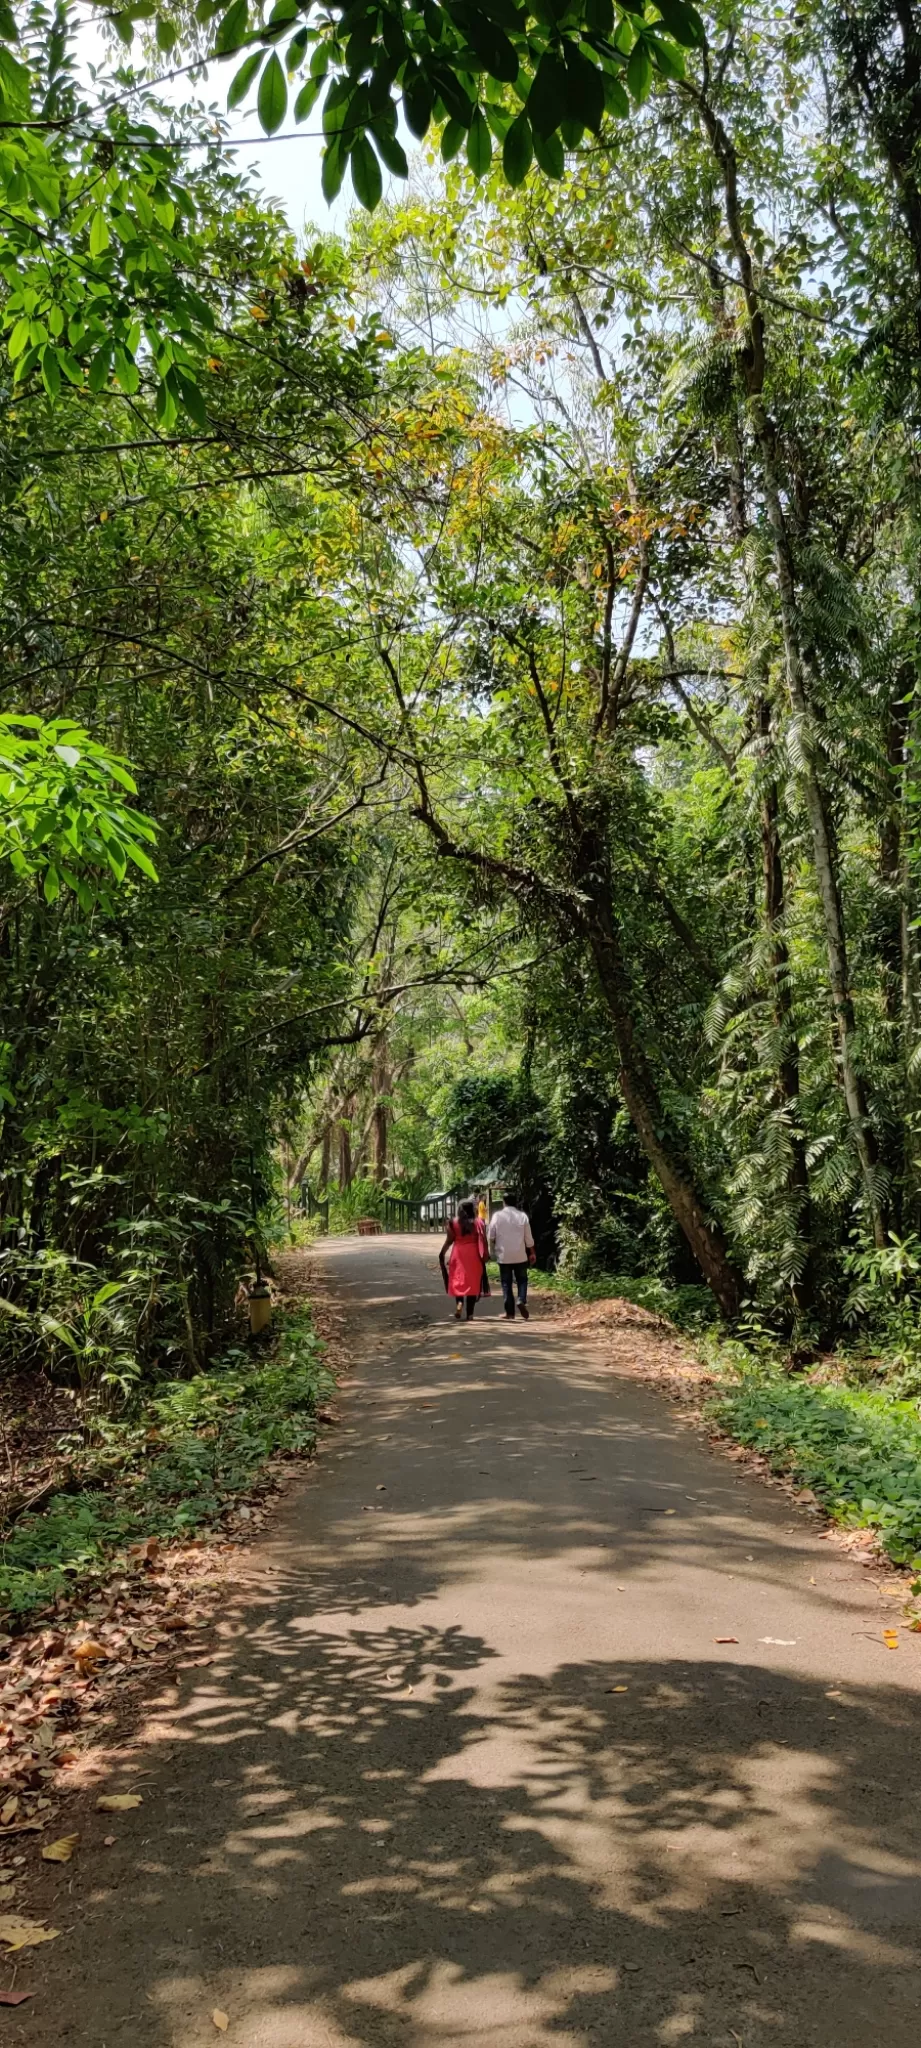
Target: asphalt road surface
471,1768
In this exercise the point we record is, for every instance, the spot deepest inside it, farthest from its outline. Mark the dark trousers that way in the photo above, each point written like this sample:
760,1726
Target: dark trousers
512,1277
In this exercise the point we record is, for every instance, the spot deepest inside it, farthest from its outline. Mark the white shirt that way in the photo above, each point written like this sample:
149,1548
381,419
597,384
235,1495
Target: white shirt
510,1237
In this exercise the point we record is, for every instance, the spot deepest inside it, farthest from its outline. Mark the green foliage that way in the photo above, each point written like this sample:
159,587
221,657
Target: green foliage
61,814
470,66
174,1467
859,1450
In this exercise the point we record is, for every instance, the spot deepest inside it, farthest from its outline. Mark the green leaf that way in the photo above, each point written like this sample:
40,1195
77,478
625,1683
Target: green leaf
518,151
548,150
418,100
273,95
639,71
457,102
18,339
547,97
366,173
141,860
683,22
391,151
45,188
452,137
51,375
192,399
584,89
615,98
52,884
599,15
232,29
668,58
242,79
99,368
99,233
307,98
492,46
167,34
8,28
333,171
126,371
479,145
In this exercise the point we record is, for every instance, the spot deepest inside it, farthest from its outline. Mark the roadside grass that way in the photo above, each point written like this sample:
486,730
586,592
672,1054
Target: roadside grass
858,1448
172,1467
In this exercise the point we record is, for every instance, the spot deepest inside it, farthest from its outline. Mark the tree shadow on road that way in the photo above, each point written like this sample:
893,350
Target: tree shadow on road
386,1841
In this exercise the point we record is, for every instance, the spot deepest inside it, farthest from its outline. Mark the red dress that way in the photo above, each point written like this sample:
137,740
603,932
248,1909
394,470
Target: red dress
466,1259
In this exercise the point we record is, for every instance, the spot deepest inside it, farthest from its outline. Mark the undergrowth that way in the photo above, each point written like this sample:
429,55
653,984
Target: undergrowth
172,1467
859,1449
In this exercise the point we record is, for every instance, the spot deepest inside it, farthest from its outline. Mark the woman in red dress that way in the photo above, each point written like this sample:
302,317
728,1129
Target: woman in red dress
466,1248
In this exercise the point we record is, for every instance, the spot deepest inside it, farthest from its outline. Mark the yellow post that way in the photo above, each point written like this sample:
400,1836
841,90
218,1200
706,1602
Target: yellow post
260,1308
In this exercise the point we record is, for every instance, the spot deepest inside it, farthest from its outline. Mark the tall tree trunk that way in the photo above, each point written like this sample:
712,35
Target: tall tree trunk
346,1170
381,1131
325,1152
824,850
814,798
641,1096
788,1075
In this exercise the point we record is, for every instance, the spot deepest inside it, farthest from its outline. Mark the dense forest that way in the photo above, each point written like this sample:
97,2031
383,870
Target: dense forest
459,681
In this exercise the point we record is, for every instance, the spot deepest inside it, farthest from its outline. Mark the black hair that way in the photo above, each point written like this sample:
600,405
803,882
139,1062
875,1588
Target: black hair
466,1216
511,1198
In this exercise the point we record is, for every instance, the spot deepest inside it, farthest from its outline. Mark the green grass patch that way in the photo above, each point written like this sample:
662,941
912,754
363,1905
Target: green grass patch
858,1449
171,1468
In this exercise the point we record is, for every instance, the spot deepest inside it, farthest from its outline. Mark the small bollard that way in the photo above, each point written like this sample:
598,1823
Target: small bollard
260,1308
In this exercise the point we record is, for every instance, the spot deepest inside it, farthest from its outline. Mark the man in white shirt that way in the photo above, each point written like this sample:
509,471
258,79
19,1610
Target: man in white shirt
511,1241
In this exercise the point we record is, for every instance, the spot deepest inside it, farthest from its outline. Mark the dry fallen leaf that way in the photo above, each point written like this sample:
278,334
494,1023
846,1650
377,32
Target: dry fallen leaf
7,1894
220,2019
20,1933
89,1652
118,1802
890,1638
8,1810
725,1639
15,1997
62,1850
616,1688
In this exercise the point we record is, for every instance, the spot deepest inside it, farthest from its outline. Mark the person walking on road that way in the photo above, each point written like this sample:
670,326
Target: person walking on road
511,1240
465,1246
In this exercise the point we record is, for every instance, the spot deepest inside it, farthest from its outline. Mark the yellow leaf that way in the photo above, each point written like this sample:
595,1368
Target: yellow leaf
20,1933
89,1652
220,2019
118,1802
62,1850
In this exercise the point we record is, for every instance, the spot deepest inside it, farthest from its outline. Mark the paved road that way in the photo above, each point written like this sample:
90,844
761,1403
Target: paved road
471,1770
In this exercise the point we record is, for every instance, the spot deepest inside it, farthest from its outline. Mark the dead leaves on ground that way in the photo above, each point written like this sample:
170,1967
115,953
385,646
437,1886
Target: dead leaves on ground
19,1933
60,1851
54,1679
221,2020
118,1802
